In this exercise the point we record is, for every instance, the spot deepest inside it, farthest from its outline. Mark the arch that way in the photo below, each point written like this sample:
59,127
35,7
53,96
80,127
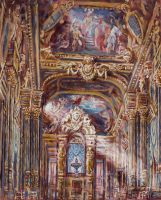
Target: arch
121,85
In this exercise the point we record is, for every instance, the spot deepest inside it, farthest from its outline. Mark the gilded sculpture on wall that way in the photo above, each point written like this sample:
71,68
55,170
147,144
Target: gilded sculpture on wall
77,120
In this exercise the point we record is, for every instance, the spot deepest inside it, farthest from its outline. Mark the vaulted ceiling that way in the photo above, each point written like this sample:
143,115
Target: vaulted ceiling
92,48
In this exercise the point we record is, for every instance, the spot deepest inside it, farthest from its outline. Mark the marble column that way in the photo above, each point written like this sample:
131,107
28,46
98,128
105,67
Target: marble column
61,167
1,147
35,138
143,146
25,100
6,168
26,148
132,165
142,107
11,141
90,154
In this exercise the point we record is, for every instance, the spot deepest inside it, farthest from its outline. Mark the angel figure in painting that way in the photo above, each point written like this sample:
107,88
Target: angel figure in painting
78,39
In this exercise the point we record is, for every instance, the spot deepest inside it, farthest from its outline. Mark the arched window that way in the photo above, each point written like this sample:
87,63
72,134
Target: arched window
76,158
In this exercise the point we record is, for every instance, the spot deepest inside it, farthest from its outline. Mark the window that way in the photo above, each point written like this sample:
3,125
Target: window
76,159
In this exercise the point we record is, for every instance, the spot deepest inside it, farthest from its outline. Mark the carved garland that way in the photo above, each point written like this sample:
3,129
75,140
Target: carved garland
89,69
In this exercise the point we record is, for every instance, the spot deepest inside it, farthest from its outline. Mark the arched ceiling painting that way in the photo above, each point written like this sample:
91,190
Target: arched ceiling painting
88,52
99,111
90,31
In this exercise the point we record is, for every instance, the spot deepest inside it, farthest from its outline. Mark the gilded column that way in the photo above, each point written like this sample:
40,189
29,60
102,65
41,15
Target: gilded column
1,147
132,162
143,146
142,103
90,154
26,147
90,162
131,149
35,140
25,100
61,167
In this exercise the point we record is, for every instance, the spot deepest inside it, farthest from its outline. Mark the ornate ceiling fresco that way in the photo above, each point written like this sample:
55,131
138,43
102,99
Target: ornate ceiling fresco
80,95
90,31
98,110
87,48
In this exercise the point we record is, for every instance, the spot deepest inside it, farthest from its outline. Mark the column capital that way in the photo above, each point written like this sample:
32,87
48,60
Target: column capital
130,101
27,112
131,114
143,112
36,103
142,100
36,112
25,101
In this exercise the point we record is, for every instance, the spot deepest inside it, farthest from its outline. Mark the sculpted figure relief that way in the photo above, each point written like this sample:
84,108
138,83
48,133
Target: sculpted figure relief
76,120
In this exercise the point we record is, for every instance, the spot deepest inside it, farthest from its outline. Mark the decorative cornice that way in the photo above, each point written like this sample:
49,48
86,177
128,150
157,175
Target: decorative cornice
31,51
31,102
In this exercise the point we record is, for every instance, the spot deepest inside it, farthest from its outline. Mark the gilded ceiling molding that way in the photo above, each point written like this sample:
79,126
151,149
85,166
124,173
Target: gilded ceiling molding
97,4
89,68
33,44
116,67
144,51
31,51
126,57
120,84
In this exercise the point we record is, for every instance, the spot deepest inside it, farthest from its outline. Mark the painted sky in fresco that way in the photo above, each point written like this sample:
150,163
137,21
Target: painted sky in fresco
90,31
95,107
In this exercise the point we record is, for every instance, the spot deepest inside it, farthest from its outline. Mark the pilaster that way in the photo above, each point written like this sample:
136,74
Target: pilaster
61,166
142,104
132,162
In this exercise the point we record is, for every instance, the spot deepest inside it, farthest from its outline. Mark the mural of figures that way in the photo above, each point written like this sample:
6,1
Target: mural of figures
98,110
90,31
80,95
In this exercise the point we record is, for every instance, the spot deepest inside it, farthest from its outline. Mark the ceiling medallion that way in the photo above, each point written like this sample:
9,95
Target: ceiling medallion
87,68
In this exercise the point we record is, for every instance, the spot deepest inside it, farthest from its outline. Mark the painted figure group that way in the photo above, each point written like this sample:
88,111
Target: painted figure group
90,33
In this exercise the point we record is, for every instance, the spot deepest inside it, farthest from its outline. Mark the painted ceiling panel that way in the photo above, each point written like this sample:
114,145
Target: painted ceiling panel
90,31
98,110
